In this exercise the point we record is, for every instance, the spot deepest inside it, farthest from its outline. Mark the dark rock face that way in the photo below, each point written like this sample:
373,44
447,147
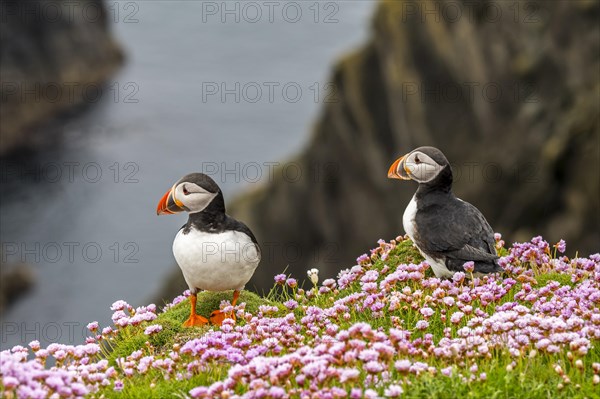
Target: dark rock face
53,56
507,90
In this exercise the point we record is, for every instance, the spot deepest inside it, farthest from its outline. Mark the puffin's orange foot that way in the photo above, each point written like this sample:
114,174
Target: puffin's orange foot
195,320
218,316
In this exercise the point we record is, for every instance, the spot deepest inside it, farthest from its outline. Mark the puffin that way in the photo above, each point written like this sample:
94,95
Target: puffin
446,230
214,251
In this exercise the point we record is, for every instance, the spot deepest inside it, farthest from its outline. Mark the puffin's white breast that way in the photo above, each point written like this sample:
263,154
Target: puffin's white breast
408,222
408,219
216,261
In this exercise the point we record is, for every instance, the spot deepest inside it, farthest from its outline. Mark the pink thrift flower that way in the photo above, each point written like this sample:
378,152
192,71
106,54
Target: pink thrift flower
456,317
119,305
458,277
349,374
93,326
364,258
10,382
371,394
402,365
449,301
393,391
153,329
118,385
561,246
469,267
34,345
291,282
374,367
422,325
330,283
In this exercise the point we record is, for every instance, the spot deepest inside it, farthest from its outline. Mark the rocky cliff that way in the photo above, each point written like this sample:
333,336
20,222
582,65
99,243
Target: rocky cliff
508,90
53,57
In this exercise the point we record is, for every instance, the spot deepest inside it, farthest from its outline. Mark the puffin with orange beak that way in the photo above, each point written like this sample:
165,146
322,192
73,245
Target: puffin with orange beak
447,230
214,251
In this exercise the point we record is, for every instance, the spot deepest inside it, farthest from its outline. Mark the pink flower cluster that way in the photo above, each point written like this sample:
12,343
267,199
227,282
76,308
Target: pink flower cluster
125,315
365,334
78,371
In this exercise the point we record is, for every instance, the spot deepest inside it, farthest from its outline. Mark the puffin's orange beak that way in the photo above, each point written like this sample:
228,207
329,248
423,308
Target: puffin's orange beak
169,205
398,170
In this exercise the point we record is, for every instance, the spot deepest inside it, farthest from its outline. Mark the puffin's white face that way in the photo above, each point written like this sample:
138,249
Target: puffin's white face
185,196
418,166
421,168
192,197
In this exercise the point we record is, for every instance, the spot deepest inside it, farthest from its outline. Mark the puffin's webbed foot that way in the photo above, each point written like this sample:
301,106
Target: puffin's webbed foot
217,317
195,320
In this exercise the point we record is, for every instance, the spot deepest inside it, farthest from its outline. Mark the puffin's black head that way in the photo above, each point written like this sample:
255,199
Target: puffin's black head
192,193
425,165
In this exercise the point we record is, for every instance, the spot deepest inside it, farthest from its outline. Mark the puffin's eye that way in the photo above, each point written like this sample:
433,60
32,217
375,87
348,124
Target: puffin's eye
417,160
185,191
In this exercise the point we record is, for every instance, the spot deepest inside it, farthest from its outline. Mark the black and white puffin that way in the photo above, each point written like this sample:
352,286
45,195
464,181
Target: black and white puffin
214,251
447,230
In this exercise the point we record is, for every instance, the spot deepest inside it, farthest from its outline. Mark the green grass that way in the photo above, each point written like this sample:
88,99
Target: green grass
562,279
154,386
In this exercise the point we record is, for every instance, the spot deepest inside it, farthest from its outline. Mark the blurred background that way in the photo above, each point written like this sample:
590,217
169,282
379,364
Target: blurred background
296,109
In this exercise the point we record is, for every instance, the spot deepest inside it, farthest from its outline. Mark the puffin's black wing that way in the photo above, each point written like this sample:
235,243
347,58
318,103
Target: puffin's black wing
236,225
457,232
